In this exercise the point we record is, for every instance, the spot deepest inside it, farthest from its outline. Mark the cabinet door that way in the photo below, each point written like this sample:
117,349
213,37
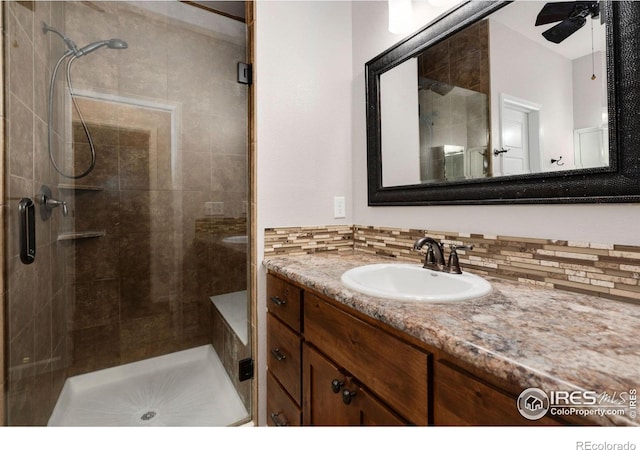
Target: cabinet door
463,399
396,372
321,405
333,398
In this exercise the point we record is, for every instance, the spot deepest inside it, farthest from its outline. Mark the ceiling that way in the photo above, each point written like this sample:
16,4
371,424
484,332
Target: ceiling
520,16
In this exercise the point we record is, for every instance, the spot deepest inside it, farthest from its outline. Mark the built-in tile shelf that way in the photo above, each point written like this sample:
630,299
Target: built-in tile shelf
79,187
80,235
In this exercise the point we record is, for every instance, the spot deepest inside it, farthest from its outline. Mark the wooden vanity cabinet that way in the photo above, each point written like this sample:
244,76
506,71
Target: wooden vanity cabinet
341,367
315,347
284,353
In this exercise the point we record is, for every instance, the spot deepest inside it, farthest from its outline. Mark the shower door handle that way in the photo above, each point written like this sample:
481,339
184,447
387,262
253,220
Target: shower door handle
27,230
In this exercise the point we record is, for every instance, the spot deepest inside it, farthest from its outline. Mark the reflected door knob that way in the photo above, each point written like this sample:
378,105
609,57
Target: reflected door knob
497,152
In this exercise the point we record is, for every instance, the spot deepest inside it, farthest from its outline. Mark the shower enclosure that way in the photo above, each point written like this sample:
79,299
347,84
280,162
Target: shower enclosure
125,209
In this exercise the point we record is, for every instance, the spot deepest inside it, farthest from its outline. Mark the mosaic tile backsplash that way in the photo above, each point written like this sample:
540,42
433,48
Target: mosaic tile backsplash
610,271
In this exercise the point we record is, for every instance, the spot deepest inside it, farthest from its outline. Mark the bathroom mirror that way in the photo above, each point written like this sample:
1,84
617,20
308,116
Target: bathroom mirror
480,107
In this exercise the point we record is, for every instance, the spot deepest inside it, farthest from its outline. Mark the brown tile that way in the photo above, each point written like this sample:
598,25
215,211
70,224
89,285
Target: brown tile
146,296
42,337
133,138
135,168
20,53
97,303
105,173
97,210
87,266
142,254
95,348
434,58
196,170
20,301
465,71
464,42
146,332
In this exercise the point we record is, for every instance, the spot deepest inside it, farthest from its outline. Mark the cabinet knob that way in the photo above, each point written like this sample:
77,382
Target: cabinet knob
277,354
336,385
275,417
347,395
278,301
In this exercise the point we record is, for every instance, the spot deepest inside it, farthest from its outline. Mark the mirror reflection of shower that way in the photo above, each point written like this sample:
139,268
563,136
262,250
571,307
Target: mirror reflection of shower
73,53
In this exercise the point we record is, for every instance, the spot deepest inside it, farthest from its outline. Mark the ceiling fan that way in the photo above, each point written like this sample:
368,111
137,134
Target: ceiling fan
572,14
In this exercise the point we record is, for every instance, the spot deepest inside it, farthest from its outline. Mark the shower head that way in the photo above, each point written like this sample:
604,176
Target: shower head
117,44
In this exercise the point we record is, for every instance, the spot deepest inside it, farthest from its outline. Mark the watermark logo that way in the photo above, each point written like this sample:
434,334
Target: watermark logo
533,403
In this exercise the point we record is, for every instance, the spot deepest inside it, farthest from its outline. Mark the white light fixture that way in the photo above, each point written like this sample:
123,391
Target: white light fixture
400,16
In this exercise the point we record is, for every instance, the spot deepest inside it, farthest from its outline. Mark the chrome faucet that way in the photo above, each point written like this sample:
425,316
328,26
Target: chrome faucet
434,258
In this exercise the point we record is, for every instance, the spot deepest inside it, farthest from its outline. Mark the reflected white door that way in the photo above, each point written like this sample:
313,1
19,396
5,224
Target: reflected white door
515,141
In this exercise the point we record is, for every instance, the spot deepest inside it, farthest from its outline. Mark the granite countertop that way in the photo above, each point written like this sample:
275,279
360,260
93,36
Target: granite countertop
532,336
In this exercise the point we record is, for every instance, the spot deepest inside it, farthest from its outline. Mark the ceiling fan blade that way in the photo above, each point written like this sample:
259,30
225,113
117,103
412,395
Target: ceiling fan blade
564,29
554,12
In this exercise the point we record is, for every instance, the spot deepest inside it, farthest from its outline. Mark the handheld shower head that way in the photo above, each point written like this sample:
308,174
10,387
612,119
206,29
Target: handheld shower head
116,44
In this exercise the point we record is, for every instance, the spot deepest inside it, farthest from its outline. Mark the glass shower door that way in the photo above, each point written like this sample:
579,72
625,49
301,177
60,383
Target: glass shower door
140,135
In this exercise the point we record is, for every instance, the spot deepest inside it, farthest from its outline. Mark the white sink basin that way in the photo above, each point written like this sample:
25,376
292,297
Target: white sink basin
413,282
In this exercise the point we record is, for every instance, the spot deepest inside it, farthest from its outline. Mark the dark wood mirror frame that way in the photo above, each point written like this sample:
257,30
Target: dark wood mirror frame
619,182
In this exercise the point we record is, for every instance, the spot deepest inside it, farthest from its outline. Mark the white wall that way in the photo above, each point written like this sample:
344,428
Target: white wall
400,133
303,124
598,223
589,99
528,71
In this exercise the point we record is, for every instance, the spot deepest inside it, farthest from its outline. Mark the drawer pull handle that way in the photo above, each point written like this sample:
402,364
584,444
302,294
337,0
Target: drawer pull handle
277,354
278,301
276,420
347,395
336,385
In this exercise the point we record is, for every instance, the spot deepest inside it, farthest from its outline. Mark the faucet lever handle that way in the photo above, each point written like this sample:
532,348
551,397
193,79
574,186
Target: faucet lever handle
453,264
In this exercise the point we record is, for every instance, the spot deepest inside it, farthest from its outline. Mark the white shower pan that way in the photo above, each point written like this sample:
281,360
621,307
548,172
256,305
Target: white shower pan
186,388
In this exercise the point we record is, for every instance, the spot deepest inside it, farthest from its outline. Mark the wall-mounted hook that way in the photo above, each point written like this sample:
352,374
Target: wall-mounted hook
557,161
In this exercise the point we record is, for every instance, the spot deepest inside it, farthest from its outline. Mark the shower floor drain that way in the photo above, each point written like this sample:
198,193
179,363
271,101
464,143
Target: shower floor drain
146,416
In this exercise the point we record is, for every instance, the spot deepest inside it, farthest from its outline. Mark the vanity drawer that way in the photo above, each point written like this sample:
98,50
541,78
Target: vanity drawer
283,301
394,370
281,410
284,349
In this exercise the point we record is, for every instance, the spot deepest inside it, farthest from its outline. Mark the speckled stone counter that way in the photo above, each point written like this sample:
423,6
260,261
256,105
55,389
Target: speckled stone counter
535,337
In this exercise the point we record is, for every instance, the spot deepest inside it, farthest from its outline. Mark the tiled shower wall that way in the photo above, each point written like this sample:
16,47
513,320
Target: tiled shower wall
609,271
33,294
161,256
